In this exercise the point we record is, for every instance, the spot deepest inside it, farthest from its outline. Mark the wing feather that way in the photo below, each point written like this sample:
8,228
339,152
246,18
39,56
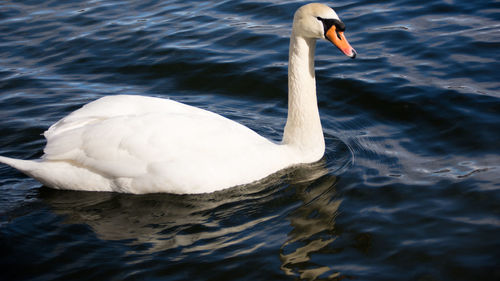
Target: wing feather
130,137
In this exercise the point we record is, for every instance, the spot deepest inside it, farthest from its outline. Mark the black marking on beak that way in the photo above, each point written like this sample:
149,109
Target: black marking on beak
328,23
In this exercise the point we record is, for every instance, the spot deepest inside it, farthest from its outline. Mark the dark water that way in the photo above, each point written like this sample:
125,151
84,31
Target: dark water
409,188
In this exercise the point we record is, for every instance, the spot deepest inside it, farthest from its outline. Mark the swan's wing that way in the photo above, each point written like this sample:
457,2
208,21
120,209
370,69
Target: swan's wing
154,144
108,122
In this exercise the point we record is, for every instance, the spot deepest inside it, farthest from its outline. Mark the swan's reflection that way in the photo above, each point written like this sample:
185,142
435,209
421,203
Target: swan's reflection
202,224
162,221
313,229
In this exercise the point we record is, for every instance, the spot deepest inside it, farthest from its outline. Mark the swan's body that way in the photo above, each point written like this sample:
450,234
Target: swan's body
140,144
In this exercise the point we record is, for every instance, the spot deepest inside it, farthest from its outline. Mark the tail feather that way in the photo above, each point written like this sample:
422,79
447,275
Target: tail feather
24,166
61,174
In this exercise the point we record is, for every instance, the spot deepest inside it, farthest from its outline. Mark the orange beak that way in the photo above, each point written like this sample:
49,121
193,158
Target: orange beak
338,39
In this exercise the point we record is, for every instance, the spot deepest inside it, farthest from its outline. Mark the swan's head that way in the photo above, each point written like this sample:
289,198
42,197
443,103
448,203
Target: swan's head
321,22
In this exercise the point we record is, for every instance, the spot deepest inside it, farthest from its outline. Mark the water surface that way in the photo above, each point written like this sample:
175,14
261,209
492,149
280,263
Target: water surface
408,188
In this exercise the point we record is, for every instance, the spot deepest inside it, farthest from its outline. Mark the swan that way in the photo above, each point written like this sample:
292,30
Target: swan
138,144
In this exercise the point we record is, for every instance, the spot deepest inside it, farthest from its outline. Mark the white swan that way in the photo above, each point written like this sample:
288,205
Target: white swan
137,144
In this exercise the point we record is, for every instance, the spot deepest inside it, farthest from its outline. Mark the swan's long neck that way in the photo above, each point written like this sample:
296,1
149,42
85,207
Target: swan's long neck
303,126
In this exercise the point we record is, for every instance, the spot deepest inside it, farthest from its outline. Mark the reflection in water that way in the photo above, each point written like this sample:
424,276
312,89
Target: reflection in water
184,225
158,222
313,229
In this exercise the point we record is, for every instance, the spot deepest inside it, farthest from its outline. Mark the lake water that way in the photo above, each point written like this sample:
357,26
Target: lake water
409,188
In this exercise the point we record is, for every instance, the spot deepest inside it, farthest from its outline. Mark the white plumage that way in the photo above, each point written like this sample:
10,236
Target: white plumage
139,144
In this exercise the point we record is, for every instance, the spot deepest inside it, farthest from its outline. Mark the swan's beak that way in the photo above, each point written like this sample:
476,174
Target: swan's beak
338,39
